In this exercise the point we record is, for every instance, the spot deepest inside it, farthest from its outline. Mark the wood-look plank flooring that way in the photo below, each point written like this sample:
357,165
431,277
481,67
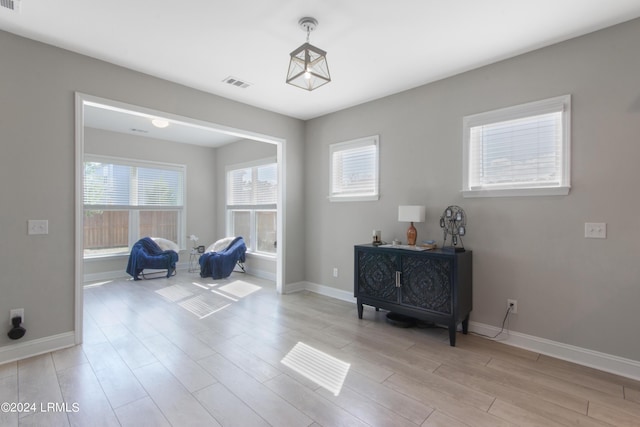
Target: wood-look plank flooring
189,351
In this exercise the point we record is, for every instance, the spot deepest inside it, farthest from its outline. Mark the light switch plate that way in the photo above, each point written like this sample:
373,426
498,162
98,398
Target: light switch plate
38,226
595,230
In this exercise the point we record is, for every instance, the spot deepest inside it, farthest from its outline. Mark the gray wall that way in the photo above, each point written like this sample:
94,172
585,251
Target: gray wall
37,168
201,183
578,291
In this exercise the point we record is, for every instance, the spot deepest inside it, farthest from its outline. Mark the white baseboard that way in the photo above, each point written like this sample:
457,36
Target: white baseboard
289,288
180,267
22,350
107,275
262,274
582,356
319,289
119,274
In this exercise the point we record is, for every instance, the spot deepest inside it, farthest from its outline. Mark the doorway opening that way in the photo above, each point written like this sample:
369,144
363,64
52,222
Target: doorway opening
108,116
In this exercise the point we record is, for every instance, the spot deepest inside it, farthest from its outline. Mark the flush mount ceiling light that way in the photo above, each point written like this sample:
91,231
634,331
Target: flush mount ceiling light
160,123
308,68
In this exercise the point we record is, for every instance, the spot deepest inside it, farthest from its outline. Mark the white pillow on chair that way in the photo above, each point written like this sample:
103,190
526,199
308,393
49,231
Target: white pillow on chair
166,244
220,244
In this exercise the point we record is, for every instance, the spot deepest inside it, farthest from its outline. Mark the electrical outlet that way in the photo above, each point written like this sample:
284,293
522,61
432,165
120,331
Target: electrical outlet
38,226
335,271
16,312
595,230
513,304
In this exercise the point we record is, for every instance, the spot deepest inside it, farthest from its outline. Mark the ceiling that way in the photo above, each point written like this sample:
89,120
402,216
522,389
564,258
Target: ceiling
135,122
375,47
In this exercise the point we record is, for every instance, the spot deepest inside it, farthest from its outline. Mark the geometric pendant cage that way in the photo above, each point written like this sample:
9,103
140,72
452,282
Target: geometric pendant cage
308,68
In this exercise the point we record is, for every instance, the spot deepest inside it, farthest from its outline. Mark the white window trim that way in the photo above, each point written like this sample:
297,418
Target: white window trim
560,103
182,217
346,145
252,208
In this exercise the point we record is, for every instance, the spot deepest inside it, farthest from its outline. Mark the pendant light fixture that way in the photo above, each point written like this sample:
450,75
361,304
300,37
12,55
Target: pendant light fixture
308,68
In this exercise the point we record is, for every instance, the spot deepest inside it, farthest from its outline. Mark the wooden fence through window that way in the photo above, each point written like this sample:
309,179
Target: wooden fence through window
110,229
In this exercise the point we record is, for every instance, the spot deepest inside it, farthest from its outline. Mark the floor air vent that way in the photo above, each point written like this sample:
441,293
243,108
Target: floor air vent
234,82
11,5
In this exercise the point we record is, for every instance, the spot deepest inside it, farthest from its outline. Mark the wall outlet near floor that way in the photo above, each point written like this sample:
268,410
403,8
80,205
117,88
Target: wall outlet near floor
335,271
15,312
513,304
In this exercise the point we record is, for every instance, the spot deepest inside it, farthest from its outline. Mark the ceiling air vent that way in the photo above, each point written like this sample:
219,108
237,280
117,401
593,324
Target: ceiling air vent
234,82
11,5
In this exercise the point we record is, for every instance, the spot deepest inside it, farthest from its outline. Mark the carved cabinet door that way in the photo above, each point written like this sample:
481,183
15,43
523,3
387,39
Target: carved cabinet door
377,275
426,283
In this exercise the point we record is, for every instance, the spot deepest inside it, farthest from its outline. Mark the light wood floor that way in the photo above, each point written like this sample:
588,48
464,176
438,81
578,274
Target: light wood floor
188,351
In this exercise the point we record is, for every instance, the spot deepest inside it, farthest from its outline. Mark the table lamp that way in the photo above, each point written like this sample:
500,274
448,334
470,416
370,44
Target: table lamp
411,214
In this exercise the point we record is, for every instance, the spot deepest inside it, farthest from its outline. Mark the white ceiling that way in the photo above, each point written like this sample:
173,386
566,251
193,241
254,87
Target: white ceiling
136,122
375,47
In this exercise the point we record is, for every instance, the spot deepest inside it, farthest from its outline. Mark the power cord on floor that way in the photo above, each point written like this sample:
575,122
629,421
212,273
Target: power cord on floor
506,315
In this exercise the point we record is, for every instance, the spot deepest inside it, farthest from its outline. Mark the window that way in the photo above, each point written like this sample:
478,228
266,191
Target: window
252,197
354,170
521,150
125,200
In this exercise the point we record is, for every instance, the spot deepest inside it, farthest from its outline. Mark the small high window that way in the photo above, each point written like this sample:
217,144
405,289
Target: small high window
354,170
518,151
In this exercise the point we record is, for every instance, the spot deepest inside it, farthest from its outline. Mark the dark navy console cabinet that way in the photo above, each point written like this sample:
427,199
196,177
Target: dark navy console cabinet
434,286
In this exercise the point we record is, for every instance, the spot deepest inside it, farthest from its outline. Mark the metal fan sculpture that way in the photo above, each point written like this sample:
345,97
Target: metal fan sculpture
454,222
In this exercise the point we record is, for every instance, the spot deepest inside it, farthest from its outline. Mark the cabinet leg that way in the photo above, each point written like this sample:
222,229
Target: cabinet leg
360,311
465,325
452,336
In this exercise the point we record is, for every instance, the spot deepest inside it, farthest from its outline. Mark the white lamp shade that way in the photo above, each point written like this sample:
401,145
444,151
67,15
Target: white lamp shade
411,213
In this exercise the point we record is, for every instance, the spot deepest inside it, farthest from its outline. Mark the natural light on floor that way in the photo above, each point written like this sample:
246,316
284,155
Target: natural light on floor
239,288
174,293
222,295
321,368
201,307
95,285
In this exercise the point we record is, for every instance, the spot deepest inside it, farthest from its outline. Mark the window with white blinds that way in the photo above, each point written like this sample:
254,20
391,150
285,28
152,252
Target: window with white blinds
251,186
521,150
110,182
252,204
354,170
125,200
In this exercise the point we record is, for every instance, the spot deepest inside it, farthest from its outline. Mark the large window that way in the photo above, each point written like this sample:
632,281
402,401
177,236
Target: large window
125,200
354,170
252,197
521,150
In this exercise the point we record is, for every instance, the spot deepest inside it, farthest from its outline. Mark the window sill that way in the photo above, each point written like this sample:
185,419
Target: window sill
105,257
517,192
354,198
261,255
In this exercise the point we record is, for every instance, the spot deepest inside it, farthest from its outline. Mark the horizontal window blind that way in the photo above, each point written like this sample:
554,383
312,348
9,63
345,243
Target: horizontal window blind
354,168
253,186
520,151
252,201
114,184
